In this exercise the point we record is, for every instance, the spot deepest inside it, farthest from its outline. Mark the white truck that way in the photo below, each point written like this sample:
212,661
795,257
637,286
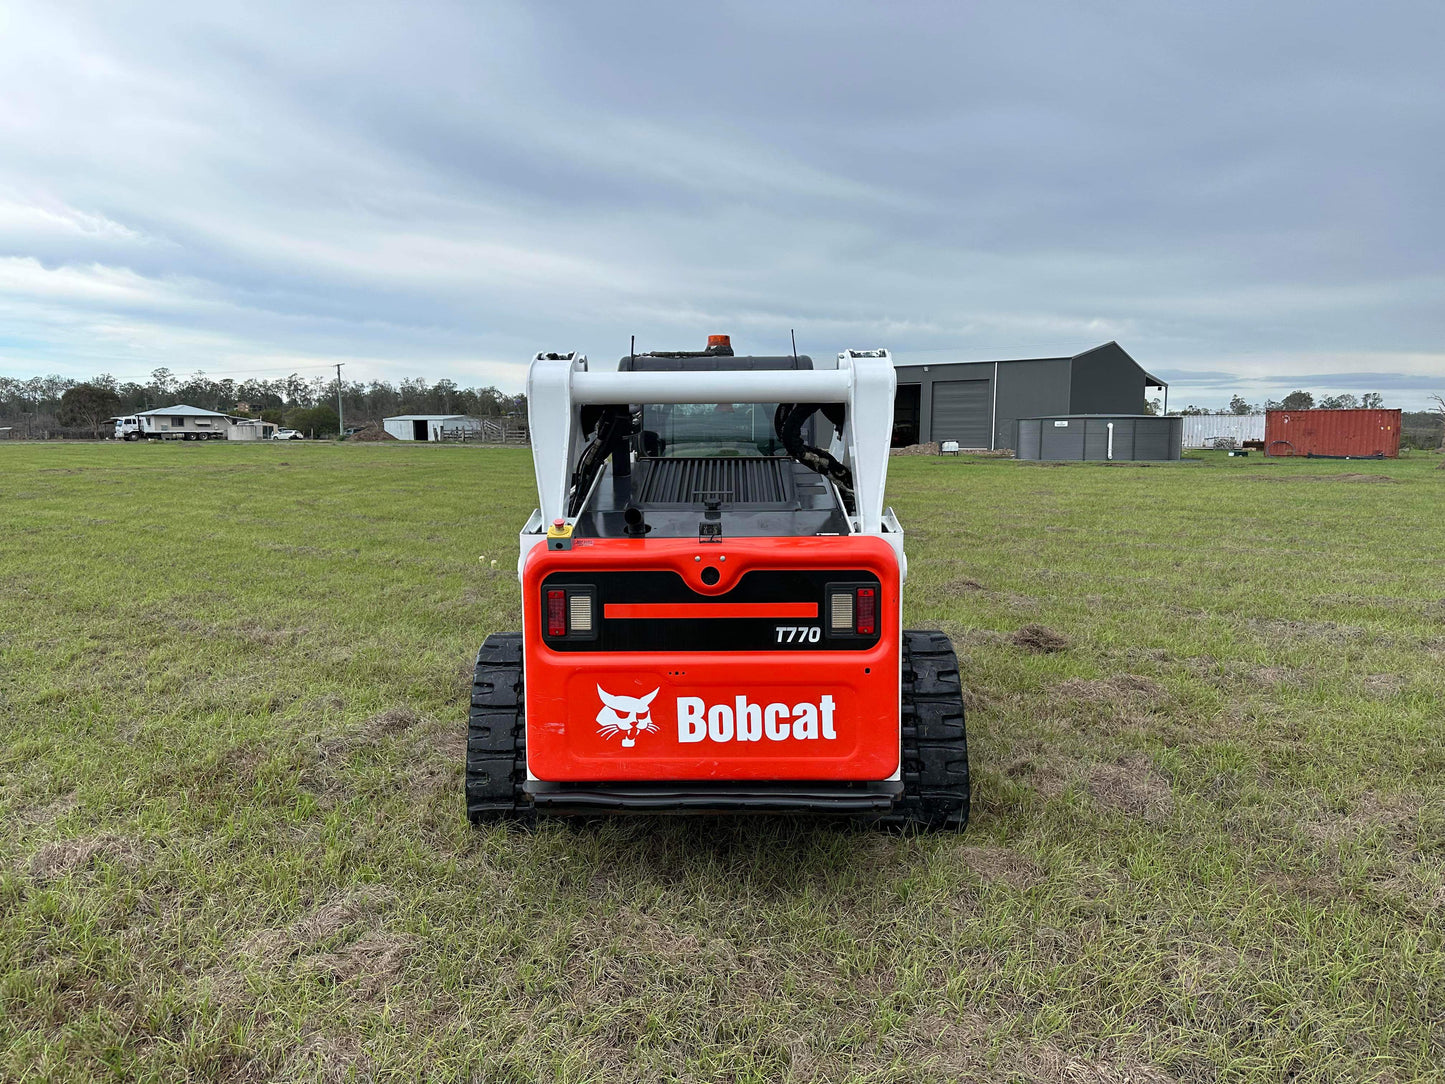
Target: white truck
173,423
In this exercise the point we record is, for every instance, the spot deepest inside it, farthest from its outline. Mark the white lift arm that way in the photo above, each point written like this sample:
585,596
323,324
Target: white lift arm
558,385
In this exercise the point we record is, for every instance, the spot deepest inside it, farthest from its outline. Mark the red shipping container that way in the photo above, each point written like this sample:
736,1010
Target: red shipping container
1353,434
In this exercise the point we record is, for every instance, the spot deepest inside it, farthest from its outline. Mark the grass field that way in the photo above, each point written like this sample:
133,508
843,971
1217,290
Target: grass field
1208,838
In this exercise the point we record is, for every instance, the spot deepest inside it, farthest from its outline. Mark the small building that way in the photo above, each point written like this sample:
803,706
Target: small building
427,426
1210,430
979,403
1100,437
1333,434
251,429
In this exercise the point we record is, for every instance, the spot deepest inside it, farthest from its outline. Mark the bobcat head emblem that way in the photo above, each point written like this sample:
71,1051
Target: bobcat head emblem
625,715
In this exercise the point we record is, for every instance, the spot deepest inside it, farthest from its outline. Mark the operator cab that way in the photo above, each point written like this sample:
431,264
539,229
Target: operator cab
710,470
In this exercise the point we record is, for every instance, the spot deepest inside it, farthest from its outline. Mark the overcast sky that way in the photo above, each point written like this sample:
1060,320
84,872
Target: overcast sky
1248,197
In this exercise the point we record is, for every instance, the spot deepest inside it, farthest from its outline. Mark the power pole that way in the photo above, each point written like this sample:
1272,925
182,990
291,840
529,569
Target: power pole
340,420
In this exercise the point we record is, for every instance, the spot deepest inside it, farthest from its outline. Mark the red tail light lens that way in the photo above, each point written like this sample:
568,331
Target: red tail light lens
556,613
866,612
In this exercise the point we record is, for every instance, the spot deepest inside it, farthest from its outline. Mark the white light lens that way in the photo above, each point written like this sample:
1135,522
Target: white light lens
840,612
581,613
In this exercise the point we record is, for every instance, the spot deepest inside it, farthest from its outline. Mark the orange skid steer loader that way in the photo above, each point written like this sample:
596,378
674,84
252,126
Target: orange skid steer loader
711,592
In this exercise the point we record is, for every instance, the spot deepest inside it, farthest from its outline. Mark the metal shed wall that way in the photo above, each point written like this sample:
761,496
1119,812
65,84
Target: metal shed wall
1135,437
1106,380
1201,430
1336,433
1028,389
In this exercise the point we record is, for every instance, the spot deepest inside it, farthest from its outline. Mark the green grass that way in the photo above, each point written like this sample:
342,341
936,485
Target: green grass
1208,838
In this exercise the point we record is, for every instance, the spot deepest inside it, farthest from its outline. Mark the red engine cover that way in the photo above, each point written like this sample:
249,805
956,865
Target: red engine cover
792,711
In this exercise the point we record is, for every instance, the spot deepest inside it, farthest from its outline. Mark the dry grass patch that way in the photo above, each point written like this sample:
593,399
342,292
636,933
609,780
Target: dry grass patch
1122,690
1039,639
368,965
65,856
276,946
1132,786
1384,686
1002,864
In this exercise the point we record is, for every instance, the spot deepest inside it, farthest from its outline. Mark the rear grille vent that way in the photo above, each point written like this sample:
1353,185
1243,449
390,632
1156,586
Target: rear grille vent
741,480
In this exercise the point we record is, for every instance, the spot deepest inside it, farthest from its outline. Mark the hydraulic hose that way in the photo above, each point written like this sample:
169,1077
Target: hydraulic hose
788,422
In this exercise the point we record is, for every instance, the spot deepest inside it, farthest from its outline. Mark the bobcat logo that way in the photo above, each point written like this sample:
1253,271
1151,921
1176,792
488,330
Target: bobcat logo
625,715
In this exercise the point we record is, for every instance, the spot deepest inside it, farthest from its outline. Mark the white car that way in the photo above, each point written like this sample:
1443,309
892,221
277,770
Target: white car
288,434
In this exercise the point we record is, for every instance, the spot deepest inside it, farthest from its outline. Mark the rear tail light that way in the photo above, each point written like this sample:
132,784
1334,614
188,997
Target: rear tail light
866,618
580,613
556,613
570,613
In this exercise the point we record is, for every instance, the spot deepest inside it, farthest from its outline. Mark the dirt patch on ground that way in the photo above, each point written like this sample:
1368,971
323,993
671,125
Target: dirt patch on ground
1002,864
1039,639
64,856
1132,786
958,587
1132,689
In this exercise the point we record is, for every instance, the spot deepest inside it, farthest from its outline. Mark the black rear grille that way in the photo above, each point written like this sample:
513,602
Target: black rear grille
729,481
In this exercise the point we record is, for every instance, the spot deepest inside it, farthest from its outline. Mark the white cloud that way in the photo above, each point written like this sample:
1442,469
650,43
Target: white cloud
1245,191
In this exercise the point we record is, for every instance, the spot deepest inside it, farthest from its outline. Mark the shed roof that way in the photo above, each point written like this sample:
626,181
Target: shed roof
422,417
1150,380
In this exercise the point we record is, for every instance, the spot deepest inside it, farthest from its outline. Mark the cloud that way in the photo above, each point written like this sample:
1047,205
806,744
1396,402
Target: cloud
1242,195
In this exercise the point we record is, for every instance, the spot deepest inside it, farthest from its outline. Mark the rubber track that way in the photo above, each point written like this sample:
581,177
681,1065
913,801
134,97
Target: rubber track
935,738
496,734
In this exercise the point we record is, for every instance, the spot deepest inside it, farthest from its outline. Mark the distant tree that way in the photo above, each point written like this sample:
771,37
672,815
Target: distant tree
1339,402
318,421
1440,410
87,406
1372,400
1239,405
1298,400
1153,406
1192,409
164,382
274,415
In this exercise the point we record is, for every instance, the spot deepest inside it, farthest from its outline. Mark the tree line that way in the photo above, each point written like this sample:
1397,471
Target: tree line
1295,400
41,404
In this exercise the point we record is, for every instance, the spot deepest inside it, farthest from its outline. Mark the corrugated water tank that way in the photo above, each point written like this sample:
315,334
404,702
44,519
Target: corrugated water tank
1100,436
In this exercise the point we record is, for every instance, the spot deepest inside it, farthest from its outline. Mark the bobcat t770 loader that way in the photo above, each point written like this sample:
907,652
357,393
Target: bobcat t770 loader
711,603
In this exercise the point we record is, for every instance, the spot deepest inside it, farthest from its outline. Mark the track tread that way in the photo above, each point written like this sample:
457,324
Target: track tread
934,738
497,733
